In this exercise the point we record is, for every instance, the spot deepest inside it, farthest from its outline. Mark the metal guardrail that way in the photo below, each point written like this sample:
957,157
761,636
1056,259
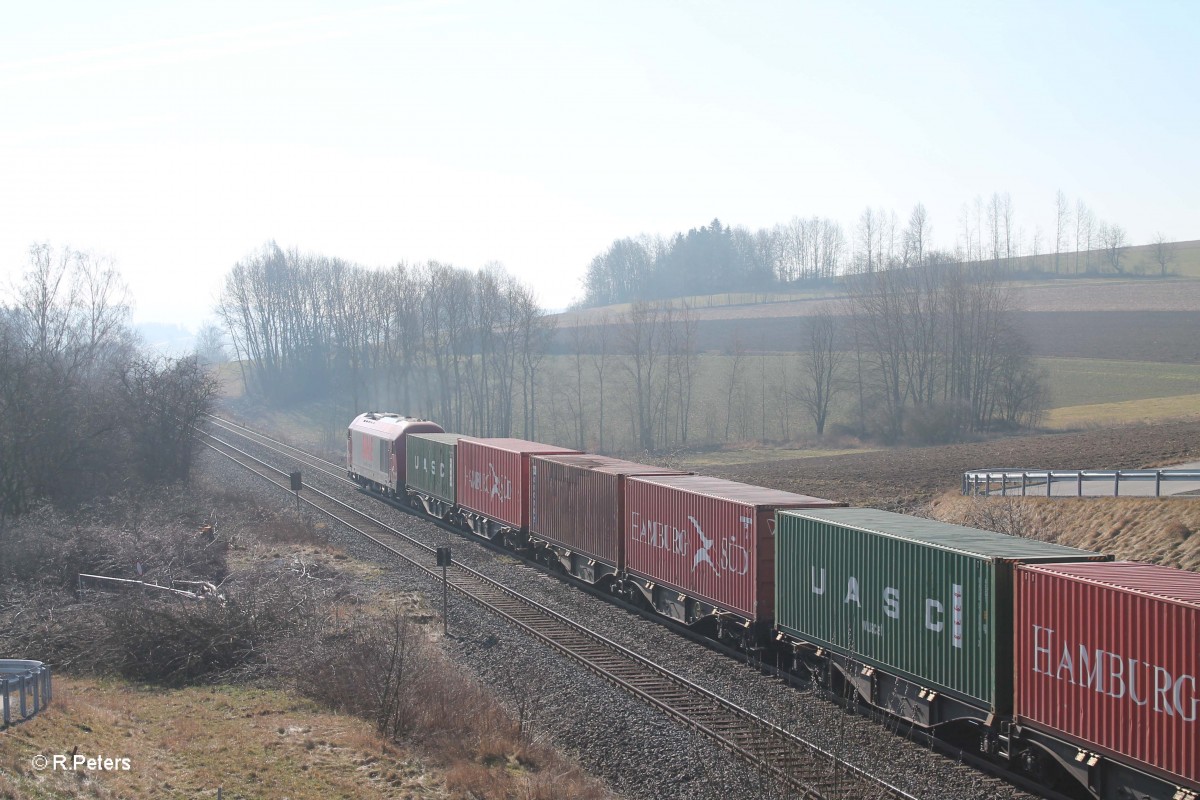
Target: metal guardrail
29,682
1028,482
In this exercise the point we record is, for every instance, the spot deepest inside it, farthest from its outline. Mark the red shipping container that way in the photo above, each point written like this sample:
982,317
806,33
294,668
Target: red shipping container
578,502
493,477
1108,656
708,538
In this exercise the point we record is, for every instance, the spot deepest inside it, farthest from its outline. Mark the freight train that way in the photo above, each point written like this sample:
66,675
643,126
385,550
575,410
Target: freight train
1054,661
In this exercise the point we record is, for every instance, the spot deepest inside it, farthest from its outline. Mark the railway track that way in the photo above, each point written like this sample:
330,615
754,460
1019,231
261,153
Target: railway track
808,770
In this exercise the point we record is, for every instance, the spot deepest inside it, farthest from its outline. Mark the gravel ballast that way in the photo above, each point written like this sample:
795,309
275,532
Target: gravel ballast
637,750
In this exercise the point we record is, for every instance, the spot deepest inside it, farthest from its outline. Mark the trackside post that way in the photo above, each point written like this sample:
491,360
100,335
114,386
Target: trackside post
443,561
297,484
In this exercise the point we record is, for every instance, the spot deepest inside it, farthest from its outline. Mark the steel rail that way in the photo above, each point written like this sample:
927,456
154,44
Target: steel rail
330,468
804,766
905,730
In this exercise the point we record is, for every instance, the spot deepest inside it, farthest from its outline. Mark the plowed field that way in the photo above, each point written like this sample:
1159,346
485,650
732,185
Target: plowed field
905,478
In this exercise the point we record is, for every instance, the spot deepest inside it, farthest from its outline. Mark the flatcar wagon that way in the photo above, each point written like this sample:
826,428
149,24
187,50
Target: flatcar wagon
915,614
1051,660
701,549
493,486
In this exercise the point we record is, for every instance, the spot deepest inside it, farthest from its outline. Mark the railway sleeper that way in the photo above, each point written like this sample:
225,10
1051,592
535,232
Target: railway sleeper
579,565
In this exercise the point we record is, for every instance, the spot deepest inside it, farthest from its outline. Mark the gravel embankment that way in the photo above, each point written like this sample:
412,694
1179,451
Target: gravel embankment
637,750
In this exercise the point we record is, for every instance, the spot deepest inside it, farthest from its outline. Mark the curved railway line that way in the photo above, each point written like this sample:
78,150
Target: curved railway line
337,473
808,769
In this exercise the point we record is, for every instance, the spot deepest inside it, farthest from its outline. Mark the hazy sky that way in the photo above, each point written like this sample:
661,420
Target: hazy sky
177,138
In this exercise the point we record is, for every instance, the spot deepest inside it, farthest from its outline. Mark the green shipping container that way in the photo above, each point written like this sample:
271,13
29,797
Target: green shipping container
431,464
923,600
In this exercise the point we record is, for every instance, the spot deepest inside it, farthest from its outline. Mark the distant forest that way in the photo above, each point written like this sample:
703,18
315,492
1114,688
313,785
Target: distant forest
718,258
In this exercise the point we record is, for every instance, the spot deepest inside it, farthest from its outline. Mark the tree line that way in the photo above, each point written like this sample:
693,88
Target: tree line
937,354
927,354
83,412
717,258
714,258
460,346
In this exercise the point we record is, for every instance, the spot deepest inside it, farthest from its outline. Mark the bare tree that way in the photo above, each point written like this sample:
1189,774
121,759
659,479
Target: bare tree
916,236
1062,221
869,226
210,344
642,337
965,244
61,346
1007,219
734,381
1090,229
575,393
1114,240
535,328
1163,252
1081,224
995,211
937,340
598,335
165,400
820,380
684,364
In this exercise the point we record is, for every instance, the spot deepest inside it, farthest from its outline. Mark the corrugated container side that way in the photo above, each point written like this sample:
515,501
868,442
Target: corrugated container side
431,464
400,448
578,502
493,477
1108,655
924,600
707,538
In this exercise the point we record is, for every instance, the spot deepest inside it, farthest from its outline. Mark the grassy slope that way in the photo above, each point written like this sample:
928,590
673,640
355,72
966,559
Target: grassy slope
1083,381
1091,391
1137,262
187,743
1136,529
1157,409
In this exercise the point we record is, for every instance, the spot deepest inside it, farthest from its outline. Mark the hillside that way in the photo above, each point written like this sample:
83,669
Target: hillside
1127,528
1144,319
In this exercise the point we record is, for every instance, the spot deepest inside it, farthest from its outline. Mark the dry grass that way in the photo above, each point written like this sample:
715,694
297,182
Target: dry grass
1158,530
1123,413
1091,381
252,738
187,743
229,377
